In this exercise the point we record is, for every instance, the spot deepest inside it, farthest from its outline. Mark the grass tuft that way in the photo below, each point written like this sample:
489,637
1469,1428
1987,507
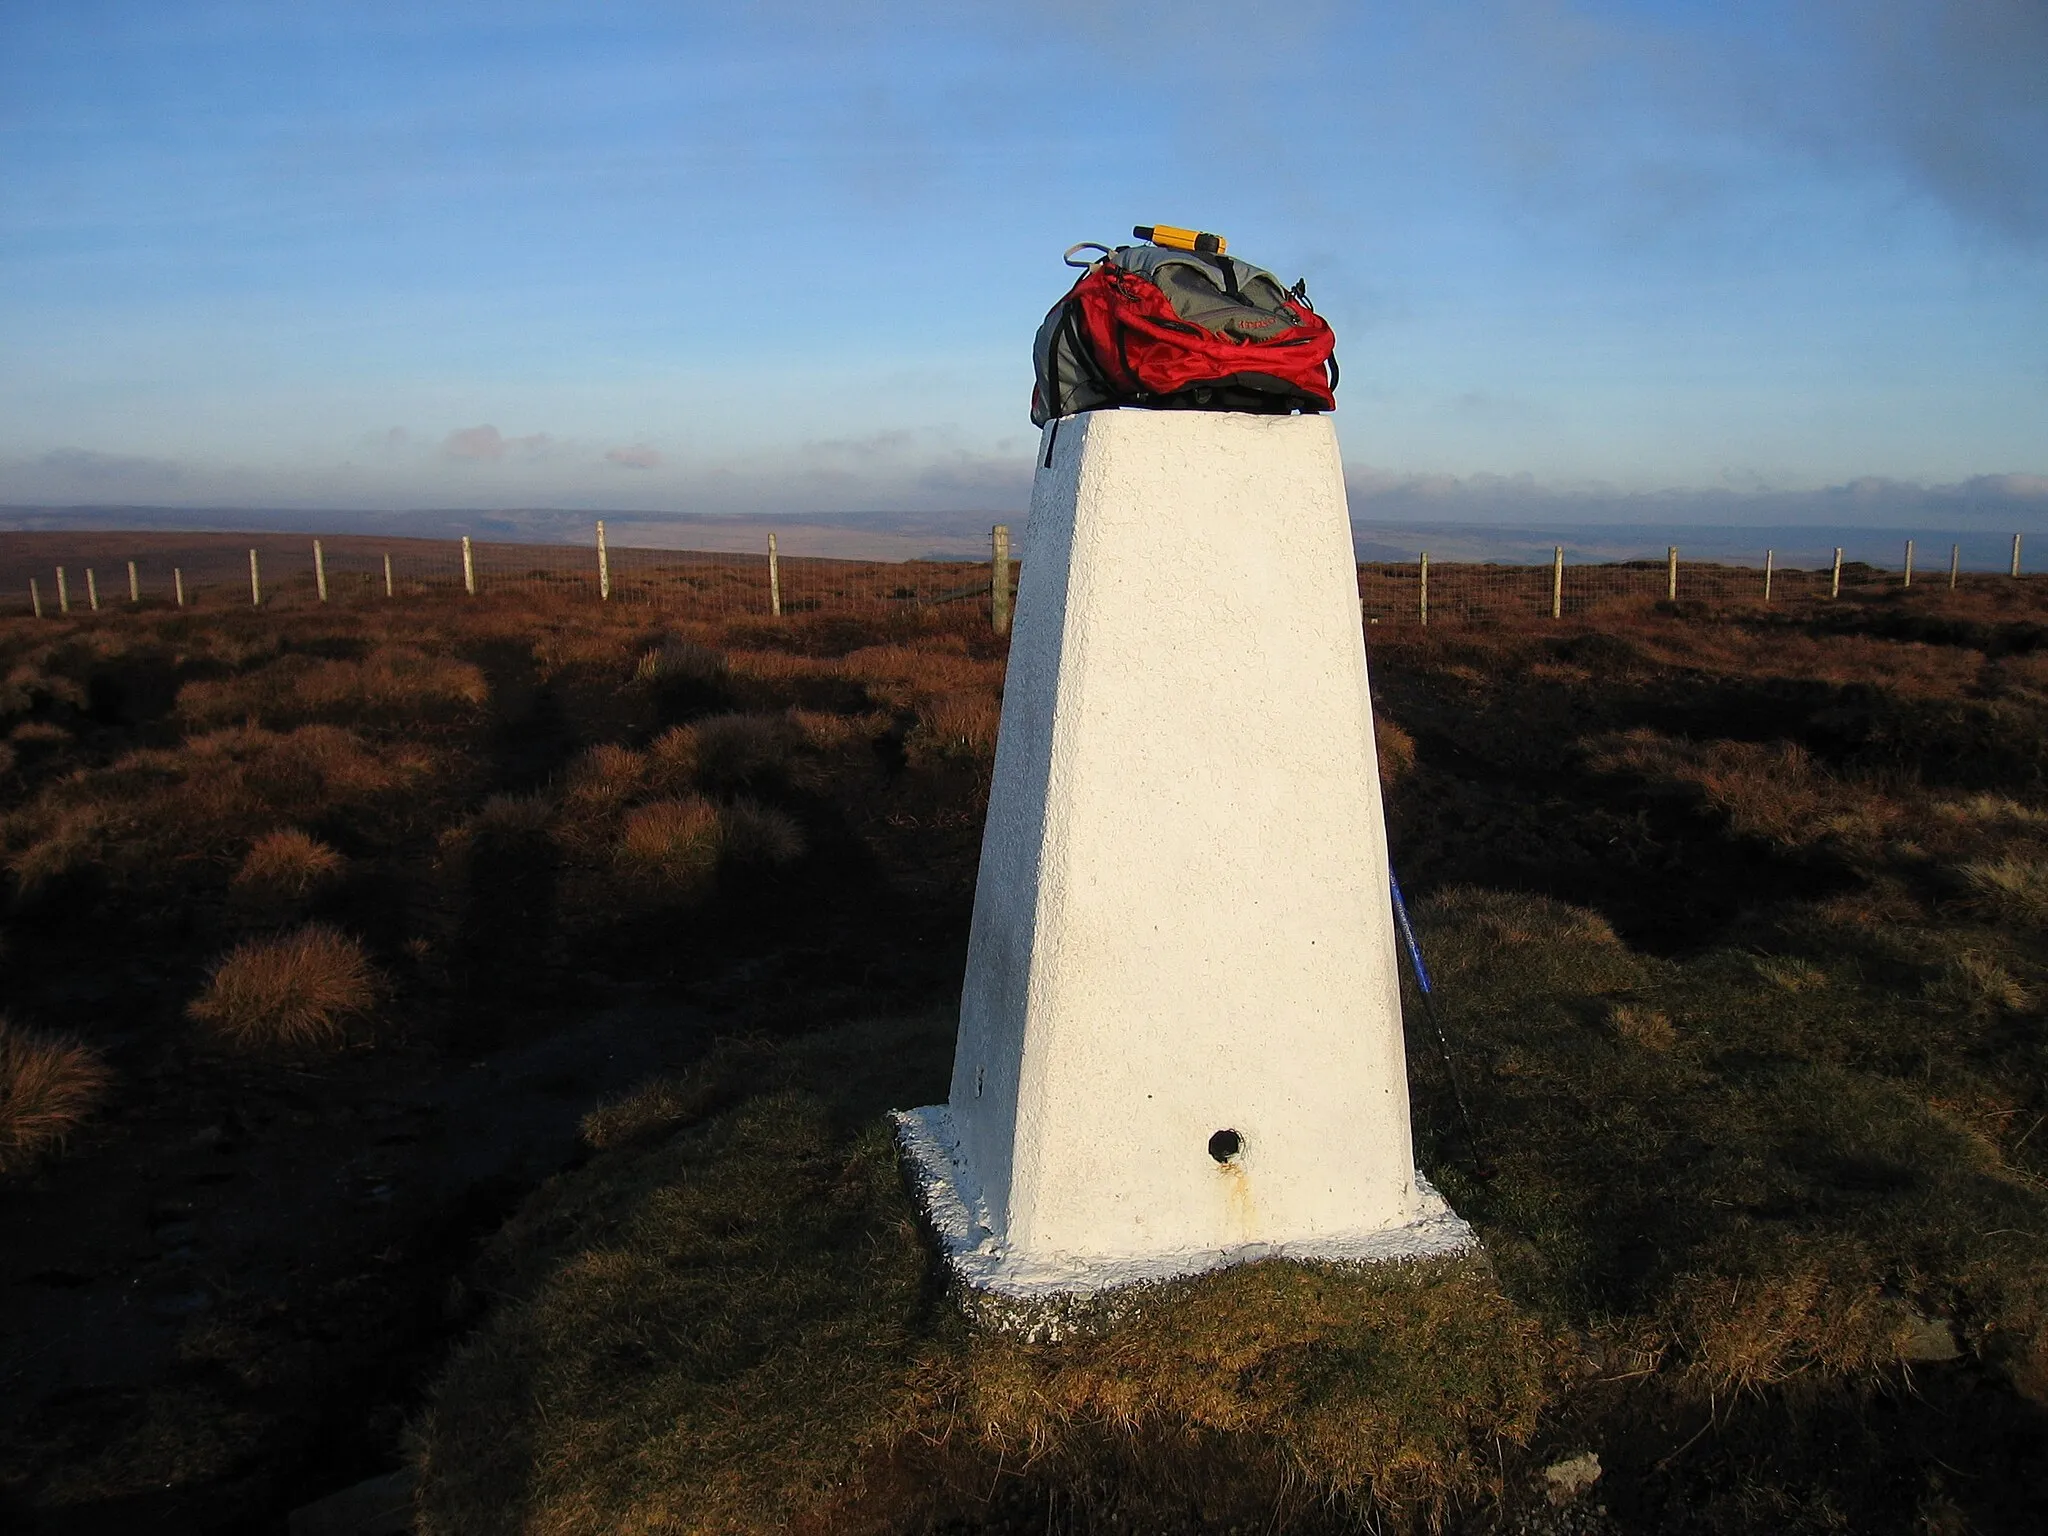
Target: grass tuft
955,727
48,1088
678,658
1648,1027
757,834
605,777
512,817
672,759
1395,749
2014,888
298,992
287,865
1974,983
744,751
671,844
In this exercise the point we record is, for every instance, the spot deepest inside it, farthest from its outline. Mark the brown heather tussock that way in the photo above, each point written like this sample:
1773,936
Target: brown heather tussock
954,727
393,683
294,993
832,733
512,816
677,658
202,797
671,843
39,733
672,760
1771,790
752,833
288,864
49,1086
604,778
745,751
579,647
1395,749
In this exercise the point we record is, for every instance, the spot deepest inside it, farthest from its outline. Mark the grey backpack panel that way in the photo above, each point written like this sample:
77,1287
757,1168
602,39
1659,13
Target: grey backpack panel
1066,369
1199,288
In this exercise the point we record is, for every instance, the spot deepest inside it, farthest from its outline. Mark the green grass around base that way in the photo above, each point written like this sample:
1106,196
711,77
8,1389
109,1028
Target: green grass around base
1709,1173
738,1327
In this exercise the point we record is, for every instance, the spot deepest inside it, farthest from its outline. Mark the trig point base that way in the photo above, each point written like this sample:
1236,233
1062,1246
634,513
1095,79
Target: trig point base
1180,1034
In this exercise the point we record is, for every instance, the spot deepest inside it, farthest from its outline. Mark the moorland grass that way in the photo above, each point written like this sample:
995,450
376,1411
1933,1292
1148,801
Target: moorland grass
296,992
286,866
149,818
1760,1163
393,684
671,844
49,1087
731,1322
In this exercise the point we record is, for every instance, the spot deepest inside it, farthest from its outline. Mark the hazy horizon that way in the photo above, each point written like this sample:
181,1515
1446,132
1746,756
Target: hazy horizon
1983,541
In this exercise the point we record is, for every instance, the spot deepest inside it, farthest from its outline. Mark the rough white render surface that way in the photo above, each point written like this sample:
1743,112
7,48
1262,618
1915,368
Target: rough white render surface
1181,925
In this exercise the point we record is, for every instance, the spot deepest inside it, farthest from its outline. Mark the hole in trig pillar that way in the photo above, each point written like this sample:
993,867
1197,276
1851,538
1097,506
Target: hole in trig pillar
1225,1145
979,1074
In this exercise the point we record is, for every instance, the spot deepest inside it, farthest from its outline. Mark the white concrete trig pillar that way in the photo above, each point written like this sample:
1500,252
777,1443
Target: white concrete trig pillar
1180,1033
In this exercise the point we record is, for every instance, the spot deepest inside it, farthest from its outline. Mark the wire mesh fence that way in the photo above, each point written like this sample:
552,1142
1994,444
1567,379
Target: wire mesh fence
54,574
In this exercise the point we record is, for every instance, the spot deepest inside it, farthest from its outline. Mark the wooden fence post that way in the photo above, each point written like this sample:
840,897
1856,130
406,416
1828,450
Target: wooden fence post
178,584
468,568
999,578
255,582
1769,556
320,570
1557,582
63,592
2015,554
134,586
1422,591
1909,565
92,589
389,590
604,567
35,597
1835,584
1955,562
774,579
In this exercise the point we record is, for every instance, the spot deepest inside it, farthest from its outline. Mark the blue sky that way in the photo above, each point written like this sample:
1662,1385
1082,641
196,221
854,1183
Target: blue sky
789,256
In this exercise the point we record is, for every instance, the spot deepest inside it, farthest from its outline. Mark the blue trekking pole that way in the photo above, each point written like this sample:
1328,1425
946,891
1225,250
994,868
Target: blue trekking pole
1482,1168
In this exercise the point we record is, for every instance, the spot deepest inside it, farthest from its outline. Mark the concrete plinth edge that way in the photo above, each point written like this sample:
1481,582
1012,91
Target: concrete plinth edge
1047,1296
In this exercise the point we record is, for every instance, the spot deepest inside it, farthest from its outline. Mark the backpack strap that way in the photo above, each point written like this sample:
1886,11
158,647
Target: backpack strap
1228,268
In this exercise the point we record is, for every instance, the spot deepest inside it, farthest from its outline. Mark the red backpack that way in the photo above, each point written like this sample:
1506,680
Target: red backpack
1181,330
